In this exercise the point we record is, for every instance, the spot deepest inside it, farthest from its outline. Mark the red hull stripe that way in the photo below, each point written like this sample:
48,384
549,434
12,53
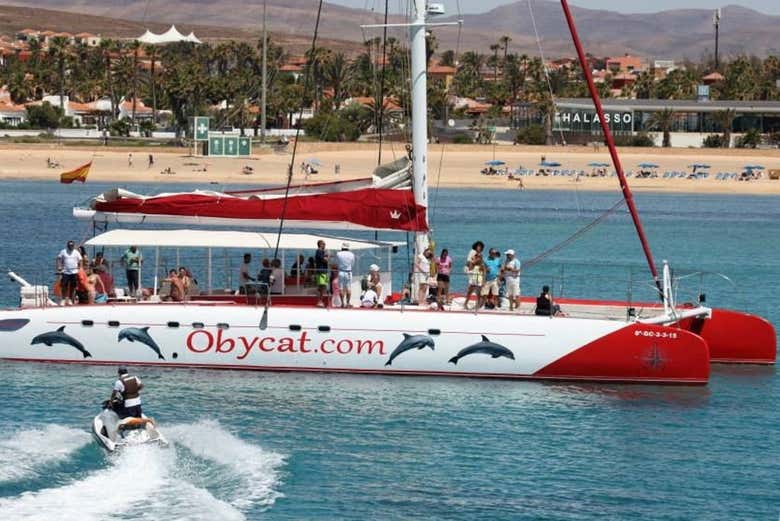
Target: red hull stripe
512,376
637,352
385,209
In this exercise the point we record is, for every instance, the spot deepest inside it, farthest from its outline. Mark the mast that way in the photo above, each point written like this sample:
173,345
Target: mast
611,144
419,116
264,82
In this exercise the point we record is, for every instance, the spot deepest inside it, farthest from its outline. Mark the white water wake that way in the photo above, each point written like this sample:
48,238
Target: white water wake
150,482
27,452
251,474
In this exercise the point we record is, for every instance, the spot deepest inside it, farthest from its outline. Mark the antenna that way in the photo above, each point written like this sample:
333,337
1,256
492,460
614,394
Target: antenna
716,23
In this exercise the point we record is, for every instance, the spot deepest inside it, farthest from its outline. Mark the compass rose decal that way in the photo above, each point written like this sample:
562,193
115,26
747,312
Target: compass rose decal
654,359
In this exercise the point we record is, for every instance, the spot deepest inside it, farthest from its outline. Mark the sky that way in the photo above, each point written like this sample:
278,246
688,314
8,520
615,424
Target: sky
622,6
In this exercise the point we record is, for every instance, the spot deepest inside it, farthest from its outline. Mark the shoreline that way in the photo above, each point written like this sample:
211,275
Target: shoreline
458,167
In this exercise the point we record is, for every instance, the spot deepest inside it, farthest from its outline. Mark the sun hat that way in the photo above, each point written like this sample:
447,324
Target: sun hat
373,267
509,252
344,245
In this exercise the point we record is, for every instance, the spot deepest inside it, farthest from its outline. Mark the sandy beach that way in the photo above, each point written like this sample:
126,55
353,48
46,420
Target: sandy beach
449,165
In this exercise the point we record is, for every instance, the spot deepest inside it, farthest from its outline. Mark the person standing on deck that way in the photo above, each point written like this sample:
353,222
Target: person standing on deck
511,271
132,261
490,288
443,270
244,277
346,261
68,262
422,273
321,259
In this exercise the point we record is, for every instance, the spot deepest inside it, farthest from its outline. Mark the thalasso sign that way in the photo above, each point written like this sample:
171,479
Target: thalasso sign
592,118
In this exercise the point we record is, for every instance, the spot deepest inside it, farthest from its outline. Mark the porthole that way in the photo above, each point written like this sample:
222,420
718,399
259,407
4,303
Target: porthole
113,323
324,329
173,324
295,327
198,325
87,323
434,331
223,325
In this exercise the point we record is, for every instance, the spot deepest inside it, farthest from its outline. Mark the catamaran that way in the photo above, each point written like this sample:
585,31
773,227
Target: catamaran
667,344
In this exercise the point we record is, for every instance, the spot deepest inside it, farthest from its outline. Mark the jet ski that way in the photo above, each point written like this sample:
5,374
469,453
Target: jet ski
114,433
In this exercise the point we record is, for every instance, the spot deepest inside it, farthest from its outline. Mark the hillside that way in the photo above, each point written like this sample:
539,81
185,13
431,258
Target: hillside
668,34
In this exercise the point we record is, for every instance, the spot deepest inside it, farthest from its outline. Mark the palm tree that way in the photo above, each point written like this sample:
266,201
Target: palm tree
134,46
58,51
725,120
495,47
153,54
663,120
504,42
335,74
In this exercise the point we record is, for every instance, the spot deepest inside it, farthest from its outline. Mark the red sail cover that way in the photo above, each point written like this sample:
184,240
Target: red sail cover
374,208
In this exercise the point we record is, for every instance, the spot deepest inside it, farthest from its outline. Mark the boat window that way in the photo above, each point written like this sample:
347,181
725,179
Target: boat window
173,324
13,324
434,331
113,323
198,325
324,329
87,323
223,325
295,327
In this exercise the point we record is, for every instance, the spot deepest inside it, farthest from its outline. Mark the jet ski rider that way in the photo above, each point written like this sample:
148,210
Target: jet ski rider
126,396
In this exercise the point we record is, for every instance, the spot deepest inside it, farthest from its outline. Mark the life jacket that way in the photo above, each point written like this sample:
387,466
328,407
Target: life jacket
131,387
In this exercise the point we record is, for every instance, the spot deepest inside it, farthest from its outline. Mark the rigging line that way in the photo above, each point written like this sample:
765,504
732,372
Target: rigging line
381,98
576,235
544,68
432,207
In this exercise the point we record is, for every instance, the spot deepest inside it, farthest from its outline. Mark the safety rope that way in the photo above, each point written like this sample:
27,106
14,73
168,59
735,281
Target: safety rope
576,235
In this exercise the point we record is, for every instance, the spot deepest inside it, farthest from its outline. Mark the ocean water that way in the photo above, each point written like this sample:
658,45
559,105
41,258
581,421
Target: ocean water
290,446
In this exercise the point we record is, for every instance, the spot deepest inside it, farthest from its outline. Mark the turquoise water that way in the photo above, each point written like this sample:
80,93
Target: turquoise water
286,446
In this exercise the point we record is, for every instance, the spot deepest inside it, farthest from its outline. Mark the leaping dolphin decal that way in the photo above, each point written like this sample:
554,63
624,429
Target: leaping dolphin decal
60,337
410,342
135,334
485,347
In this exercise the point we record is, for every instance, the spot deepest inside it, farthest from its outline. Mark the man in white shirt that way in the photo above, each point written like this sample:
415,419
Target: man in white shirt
345,260
511,272
277,277
68,263
244,277
422,272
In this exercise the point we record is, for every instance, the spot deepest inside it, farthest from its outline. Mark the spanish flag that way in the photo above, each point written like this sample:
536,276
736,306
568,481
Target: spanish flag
79,174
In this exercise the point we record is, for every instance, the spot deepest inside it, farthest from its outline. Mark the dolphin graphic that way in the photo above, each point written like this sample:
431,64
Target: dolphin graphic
60,337
486,347
135,334
410,342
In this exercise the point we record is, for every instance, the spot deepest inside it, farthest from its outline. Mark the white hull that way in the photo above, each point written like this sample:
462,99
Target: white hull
355,341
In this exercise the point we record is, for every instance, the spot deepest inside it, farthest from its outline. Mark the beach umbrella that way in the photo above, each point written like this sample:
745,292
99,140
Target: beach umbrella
549,163
754,167
494,162
314,161
647,165
698,165
598,165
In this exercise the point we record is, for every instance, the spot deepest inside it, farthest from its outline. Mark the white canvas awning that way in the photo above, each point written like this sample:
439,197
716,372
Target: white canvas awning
169,36
226,239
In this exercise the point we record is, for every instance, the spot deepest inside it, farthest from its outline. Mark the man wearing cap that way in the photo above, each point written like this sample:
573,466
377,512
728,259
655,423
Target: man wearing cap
345,260
68,263
490,288
511,271
132,260
374,281
127,391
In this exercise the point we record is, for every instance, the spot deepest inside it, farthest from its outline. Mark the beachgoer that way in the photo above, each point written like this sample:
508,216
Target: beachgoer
511,271
151,161
345,260
477,247
422,272
545,305
490,288
277,277
132,261
321,259
374,280
68,263
187,282
106,279
127,394
130,159
244,277
443,271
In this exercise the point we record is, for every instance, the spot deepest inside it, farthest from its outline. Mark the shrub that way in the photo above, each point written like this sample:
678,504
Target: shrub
751,139
462,139
120,127
531,135
639,140
44,115
713,141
